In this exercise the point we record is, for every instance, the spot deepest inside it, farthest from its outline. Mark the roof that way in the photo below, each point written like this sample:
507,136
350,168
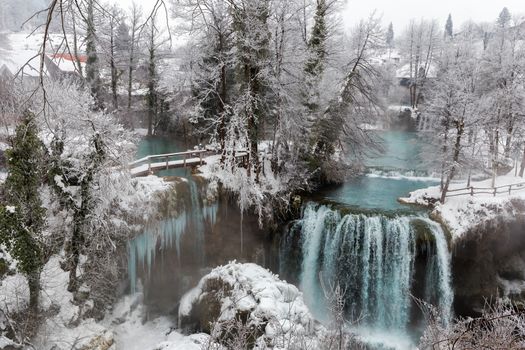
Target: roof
5,72
20,53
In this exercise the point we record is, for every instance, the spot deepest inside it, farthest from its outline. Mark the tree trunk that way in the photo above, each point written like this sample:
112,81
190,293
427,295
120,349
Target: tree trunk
522,168
495,159
33,281
114,76
444,150
73,258
460,126
508,142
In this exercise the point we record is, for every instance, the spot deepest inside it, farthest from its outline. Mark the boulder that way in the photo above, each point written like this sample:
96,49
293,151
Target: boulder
245,301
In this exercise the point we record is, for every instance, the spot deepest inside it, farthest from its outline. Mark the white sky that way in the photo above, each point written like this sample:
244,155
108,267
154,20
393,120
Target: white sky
399,12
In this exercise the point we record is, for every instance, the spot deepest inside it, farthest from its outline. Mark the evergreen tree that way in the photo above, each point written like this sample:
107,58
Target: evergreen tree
314,66
390,36
22,218
504,18
449,29
92,68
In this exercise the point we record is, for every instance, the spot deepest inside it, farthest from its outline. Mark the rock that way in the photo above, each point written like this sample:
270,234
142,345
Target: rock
488,262
248,301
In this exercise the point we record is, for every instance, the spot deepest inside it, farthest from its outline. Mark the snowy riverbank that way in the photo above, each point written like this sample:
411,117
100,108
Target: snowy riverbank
460,213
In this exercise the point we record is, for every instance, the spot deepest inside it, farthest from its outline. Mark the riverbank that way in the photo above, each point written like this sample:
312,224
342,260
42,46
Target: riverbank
463,212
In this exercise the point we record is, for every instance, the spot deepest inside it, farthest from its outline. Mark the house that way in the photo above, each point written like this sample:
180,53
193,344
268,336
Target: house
20,56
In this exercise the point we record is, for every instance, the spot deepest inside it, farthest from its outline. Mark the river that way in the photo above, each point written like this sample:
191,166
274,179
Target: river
357,235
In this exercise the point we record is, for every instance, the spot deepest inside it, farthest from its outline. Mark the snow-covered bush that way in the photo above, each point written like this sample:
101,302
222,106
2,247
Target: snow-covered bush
500,326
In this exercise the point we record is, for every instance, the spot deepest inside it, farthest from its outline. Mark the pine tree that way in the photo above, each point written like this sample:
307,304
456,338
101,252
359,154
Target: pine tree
449,29
314,66
22,218
504,18
390,36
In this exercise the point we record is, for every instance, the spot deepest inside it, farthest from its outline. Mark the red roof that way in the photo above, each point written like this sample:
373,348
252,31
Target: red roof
66,56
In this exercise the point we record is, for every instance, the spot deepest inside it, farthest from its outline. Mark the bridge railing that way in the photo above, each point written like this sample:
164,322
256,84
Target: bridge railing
472,191
169,157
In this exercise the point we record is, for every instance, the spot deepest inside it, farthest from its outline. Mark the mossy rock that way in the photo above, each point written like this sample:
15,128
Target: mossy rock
207,309
423,234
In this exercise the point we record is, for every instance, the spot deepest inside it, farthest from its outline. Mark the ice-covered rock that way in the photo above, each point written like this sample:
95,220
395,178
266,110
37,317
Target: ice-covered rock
247,300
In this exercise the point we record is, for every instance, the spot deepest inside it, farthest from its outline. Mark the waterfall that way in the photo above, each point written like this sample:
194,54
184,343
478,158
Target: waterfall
372,257
165,234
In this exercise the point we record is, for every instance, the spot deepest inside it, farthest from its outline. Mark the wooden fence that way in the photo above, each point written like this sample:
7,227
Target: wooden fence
472,191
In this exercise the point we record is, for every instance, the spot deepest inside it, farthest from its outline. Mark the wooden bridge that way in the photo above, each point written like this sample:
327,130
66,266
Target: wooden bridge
472,191
154,163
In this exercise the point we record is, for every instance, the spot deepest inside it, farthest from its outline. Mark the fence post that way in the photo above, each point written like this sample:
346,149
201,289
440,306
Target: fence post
167,157
149,164
184,163
495,191
510,189
200,157
472,190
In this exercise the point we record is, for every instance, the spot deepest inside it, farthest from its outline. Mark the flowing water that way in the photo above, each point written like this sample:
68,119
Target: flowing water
380,252
375,259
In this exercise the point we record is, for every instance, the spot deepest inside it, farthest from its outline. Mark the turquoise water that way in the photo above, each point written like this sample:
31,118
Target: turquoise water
161,145
392,173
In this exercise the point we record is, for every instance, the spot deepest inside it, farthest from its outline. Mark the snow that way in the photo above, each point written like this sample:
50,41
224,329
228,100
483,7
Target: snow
10,209
250,194
273,304
65,329
461,213
132,333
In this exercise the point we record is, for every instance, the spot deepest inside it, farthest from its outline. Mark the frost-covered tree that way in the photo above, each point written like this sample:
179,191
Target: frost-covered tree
503,60
135,18
22,216
419,45
340,130
114,42
454,106
449,28
504,18
251,38
213,71
92,63
390,36
86,151
316,59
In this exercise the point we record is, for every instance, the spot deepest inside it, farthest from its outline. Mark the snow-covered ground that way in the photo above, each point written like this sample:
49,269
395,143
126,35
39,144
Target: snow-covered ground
460,213
274,304
124,328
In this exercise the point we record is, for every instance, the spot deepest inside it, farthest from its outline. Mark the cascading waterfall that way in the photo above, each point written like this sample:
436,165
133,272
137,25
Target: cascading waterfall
372,257
164,234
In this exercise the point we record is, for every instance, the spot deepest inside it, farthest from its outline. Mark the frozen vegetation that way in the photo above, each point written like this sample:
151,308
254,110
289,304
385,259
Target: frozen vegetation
310,129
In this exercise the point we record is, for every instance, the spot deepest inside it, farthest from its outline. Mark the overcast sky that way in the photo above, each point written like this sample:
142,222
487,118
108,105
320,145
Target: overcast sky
401,11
